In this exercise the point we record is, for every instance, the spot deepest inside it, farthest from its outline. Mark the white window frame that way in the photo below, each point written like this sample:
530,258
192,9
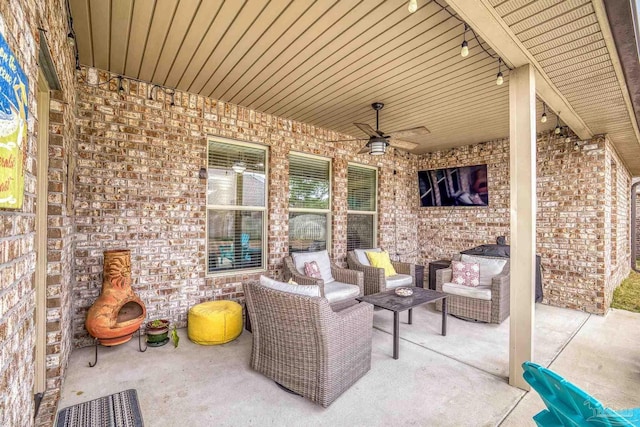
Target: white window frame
374,212
327,211
264,209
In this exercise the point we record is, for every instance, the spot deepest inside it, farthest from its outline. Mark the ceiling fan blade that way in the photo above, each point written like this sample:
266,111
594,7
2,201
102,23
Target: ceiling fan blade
366,129
349,140
364,149
403,145
407,133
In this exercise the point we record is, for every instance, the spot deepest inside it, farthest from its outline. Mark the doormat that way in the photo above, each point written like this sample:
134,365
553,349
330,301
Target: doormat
116,410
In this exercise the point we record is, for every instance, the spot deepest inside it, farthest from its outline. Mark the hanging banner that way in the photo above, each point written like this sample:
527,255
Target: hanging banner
13,128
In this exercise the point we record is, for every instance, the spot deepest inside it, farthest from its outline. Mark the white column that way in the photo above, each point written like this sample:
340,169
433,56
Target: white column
522,171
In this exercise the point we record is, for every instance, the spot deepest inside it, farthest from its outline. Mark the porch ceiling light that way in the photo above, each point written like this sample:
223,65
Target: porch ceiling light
239,167
464,51
499,77
377,146
413,6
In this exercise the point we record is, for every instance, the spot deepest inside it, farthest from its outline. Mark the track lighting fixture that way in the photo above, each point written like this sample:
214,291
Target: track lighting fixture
499,76
464,51
413,6
543,118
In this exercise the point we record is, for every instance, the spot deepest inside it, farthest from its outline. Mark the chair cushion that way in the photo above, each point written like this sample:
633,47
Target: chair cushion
489,267
467,291
320,257
465,273
381,260
361,254
399,280
306,290
338,291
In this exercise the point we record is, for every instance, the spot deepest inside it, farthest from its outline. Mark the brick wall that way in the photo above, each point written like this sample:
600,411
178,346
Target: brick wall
138,187
617,200
573,222
19,22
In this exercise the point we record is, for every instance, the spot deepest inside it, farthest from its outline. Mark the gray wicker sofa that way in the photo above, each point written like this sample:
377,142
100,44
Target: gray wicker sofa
492,310
302,344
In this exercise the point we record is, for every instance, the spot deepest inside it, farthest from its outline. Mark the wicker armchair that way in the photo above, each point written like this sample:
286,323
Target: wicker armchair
342,276
491,311
374,279
303,345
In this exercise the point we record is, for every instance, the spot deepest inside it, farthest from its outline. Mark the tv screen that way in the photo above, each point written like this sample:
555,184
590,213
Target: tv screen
463,186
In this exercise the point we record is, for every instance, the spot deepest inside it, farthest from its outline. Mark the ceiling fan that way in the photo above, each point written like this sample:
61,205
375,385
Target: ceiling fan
379,141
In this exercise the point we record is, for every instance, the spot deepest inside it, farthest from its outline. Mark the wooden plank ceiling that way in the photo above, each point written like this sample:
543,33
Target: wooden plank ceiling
324,62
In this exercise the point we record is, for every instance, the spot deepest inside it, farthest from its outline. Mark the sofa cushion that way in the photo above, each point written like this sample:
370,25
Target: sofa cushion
361,254
467,291
307,290
489,267
465,273
338,291
399,280
320,257
381,260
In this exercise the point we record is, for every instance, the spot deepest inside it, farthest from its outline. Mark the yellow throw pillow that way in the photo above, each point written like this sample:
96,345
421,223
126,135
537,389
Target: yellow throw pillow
291,282
381,260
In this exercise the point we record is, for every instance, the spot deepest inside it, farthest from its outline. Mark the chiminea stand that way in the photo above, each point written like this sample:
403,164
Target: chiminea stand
96,344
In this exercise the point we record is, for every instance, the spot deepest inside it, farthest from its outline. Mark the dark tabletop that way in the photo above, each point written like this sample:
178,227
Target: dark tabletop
390,301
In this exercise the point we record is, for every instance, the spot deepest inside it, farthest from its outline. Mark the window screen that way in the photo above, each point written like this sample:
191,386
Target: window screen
363,207
309,203
236,207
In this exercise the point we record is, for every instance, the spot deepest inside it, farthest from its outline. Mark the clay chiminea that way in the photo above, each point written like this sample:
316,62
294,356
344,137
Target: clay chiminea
118,312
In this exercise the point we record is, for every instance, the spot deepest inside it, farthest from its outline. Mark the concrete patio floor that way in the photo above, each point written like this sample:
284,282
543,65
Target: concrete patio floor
457,380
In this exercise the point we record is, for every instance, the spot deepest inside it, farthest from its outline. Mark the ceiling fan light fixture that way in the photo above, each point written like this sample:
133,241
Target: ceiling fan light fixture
377,146
239,167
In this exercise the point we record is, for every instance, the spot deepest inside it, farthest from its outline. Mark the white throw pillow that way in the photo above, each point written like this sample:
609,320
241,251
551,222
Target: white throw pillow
489,267
320,257
361,254
307,290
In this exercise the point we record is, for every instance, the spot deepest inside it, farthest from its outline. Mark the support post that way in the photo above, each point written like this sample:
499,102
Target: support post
522,171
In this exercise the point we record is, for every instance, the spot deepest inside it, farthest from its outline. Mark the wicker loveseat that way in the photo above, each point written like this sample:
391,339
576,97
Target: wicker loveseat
374,279
492,301
302,344
340,286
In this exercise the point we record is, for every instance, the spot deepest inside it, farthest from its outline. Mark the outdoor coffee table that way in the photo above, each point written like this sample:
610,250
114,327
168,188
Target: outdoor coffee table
392,302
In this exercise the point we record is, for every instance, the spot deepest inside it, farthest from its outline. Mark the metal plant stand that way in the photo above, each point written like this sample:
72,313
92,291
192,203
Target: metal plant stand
97,344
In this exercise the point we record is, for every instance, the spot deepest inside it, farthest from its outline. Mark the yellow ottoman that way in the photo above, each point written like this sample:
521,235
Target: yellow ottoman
214,322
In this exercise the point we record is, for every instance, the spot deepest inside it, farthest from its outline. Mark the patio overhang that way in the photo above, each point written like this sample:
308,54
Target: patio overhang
324,63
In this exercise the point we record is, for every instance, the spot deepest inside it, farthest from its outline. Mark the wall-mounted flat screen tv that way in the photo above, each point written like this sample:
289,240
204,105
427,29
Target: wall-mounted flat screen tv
463,186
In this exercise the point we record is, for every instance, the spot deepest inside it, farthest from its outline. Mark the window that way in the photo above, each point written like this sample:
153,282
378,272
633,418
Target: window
309,203
362,183
236,206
